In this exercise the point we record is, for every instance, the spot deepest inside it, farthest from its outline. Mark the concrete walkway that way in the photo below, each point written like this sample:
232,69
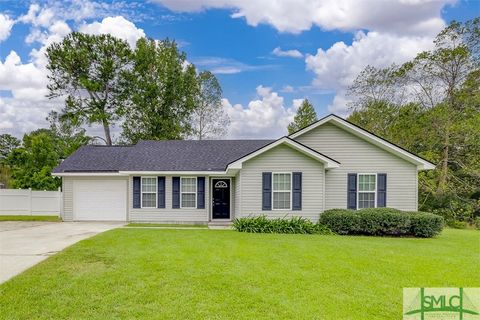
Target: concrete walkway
24,244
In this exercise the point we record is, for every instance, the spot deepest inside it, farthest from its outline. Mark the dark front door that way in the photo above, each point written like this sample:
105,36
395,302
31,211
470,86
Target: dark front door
221,199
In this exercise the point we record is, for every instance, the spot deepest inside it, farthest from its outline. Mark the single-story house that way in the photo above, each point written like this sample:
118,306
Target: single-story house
329,164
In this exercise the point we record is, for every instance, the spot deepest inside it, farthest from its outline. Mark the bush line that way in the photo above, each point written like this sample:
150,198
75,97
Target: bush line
261,224
372,221
382,222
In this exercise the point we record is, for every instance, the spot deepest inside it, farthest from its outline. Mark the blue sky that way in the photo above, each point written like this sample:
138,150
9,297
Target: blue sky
329,43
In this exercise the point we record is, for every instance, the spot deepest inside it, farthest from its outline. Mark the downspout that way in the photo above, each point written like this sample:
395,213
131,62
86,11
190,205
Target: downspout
323,189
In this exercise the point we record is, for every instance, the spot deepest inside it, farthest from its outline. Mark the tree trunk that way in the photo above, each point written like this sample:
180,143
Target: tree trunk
200,127
106,129
442,180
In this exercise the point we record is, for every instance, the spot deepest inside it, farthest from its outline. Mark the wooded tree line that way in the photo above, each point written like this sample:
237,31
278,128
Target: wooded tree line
431,106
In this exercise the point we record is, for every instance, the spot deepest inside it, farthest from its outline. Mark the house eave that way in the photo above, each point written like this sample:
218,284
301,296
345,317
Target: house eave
87,174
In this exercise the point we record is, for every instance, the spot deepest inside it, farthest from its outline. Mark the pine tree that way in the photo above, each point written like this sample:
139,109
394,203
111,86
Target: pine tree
305,116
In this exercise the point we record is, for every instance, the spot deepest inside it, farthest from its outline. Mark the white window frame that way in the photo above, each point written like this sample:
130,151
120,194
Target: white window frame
374,191
141,191
181,193
291,190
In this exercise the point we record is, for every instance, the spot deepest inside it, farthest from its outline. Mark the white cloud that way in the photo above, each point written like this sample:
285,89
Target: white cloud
220,65
6,25
337,67
18,77
28,106
339,105
287,89
395,31
404,16
265,117
20,115
117,26
44,18
79,10
287,53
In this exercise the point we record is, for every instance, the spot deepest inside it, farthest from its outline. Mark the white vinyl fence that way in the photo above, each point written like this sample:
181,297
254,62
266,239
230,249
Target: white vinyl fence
28,202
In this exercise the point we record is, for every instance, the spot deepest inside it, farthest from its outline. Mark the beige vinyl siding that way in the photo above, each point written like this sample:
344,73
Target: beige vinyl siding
237,197
68,195
67,189
358,156
168,214
282,159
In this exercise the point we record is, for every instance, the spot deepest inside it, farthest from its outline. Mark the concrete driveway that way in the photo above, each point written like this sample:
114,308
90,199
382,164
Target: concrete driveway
24,244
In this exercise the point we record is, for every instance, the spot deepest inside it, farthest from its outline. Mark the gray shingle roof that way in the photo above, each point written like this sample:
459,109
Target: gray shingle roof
166,155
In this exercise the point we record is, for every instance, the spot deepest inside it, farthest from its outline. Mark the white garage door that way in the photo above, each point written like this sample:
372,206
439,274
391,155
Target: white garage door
100,200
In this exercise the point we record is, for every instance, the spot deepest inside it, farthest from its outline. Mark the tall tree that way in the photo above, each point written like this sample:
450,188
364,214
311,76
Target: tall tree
32,163
438,76
209,119
305,116
68,135
5,175
87,70
376,86
7,144
162,96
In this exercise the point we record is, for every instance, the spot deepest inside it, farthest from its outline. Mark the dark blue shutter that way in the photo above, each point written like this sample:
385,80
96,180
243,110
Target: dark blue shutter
200,192
175,192
297,191
266,191
352,191
161,192
136,192
381,190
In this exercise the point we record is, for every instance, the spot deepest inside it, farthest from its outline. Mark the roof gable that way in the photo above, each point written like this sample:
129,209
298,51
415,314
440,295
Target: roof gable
421,163
327,161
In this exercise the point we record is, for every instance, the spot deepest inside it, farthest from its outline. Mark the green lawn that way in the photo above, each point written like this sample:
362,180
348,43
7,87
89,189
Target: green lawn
29,218
219,274
167,225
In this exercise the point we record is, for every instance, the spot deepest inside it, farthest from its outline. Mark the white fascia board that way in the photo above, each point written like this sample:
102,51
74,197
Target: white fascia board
172,173
379,142
88,174
128,173
291,143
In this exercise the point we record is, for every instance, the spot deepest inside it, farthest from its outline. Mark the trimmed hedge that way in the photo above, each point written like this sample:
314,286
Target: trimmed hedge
382,222
261,224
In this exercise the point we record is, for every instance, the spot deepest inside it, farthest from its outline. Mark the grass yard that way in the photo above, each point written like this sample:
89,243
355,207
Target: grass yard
30,218
218,274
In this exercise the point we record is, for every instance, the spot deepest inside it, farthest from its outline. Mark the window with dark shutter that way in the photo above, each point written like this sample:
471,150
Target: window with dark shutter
161,192
297,191
381,190
175,192
352,191
200,192
136,192
266,191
